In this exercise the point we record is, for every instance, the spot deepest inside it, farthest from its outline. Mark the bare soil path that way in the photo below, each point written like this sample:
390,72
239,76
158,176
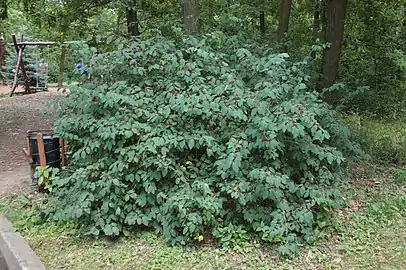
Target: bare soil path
19,114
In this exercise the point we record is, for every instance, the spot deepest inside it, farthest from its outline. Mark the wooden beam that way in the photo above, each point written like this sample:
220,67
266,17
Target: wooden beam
27,155
27,151
41,149
62,143
23,71
43,43
15,83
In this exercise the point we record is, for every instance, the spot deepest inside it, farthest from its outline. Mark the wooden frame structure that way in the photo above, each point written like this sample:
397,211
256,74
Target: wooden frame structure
41,150
19,48
42,153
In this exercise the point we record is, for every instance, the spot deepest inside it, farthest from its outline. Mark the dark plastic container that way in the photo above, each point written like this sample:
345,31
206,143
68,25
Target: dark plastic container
52,150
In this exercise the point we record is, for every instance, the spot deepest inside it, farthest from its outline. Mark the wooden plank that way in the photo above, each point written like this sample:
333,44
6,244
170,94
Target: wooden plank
27,152
41,149
62,143
27,155
15,83
44,43
16,47
28,143
23,71
39,43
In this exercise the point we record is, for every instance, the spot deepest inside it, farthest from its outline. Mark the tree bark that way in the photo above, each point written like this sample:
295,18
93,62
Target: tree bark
132,18
262,23
334,34
404,22
120,15
284,17
3,59
190,11
62,66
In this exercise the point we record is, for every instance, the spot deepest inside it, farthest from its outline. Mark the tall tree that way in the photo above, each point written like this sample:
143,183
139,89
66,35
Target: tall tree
333,29
3,9
132,18
190,13
284,17
2,58
262,22
262,18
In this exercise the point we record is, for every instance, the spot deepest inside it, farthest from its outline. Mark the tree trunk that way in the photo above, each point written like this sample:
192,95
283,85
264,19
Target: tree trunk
262,23
62,66
284,17
190,11
120,14
404,22
3,10
334,34
3,60
316,24
132,18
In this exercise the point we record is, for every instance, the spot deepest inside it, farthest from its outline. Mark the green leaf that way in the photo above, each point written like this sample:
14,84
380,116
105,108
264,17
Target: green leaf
108,230
128,134
131,155
191,144
330,158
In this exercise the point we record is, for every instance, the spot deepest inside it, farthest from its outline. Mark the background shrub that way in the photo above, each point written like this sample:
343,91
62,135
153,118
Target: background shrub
197,135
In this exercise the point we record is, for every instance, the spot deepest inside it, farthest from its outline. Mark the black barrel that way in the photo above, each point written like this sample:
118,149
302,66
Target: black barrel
52,150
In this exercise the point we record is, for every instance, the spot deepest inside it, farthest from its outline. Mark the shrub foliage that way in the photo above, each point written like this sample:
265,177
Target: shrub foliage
194,136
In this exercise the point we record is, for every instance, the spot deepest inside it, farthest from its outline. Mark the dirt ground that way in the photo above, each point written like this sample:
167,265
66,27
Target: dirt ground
19,114
5,89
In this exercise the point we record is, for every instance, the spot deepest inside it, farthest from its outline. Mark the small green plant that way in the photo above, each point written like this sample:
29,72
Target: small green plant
232,236
46,176
387,209
400,176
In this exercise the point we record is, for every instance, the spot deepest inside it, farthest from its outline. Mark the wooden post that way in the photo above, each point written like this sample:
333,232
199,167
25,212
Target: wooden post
27,155
62,143
15,83
27,152
41,149
23,71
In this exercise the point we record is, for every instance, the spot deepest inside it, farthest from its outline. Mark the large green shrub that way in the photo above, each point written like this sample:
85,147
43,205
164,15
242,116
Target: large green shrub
197,135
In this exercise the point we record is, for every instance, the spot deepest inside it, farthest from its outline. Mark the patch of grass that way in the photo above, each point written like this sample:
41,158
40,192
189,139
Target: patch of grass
3,95
383,139
376,240
370,234
61,247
